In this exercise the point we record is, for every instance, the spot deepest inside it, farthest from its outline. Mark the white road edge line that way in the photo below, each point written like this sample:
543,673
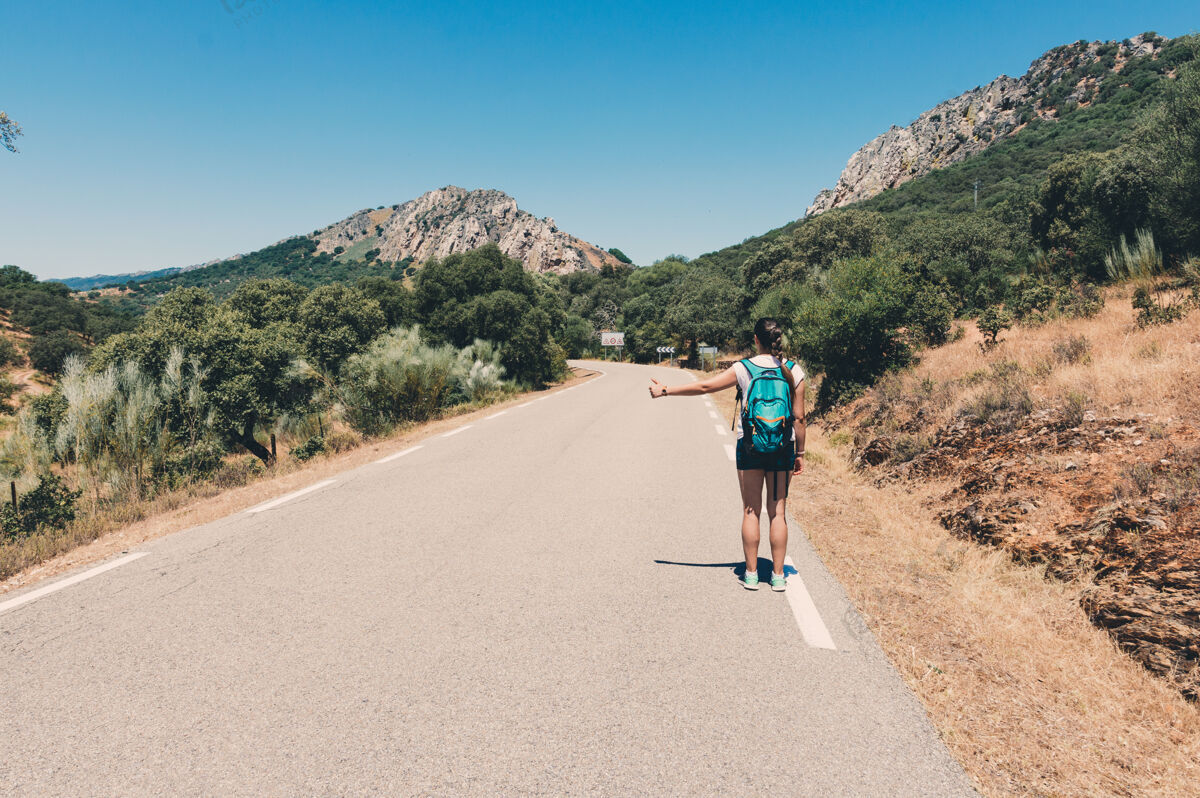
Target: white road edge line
12,604
527,404
288,497
456,430
720,428
729,451
495,415
807,618
398,455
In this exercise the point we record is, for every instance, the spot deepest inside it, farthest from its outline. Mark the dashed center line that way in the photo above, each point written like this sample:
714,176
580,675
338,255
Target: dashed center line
397,455
720,428
288,497
456,431
25,598
712,413
729,452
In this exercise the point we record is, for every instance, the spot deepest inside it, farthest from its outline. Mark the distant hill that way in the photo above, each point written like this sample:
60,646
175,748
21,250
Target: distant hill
102,280
434,225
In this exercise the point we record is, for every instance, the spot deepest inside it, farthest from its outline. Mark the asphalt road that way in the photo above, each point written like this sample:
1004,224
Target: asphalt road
541,602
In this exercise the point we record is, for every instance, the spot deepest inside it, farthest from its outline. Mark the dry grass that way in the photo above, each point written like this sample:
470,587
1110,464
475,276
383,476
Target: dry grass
1029,697
1125,370
120,527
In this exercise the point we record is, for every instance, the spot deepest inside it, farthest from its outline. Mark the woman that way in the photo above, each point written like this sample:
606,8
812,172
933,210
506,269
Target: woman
756,470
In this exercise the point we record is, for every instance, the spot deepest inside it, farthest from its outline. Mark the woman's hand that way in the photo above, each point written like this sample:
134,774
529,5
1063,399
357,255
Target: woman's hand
799,467
657,389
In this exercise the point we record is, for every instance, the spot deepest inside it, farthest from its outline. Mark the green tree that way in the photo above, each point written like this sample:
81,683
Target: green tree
397,302
706,310
48,352
1172,141
247,371
337,321
852,328
619,255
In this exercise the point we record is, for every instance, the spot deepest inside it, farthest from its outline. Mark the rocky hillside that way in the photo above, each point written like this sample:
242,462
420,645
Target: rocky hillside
1060,81
1072,445
452,219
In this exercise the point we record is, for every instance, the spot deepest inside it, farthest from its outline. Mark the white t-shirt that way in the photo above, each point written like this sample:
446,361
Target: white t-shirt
768,362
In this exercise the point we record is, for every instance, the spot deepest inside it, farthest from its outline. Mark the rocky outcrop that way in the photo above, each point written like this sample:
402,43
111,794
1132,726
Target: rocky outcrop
449,220
972,121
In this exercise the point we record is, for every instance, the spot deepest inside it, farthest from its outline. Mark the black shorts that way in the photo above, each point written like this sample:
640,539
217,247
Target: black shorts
748,459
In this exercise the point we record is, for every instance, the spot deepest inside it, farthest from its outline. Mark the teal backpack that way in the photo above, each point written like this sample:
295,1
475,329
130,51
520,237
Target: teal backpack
766,408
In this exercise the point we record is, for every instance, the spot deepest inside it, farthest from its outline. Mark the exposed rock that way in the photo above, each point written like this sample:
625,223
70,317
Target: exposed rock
970,122
1100,500
449,220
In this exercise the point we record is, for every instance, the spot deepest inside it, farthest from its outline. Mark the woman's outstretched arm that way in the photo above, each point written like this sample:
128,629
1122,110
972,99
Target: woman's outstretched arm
726,379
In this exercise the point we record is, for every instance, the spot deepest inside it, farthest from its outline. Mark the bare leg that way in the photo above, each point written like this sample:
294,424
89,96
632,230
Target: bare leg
777,515
751,483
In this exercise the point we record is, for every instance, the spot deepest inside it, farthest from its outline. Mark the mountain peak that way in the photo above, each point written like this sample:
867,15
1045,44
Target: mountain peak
451,219
1066,76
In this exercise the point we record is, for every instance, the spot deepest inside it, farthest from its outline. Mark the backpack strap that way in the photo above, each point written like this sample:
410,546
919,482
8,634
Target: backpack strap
739,401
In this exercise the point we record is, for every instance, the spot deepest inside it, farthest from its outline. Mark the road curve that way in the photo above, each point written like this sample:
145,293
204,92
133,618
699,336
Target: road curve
540,603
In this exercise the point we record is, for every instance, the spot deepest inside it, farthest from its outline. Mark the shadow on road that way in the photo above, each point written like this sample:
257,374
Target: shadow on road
739,568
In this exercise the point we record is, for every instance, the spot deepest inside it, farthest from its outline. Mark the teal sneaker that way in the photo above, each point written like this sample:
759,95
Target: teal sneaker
778,582
750,580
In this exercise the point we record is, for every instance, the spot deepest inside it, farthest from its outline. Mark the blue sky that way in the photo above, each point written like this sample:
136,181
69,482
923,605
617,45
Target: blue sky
170,133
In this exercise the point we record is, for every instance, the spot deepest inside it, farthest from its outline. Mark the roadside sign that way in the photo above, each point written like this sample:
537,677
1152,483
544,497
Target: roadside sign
612,339
708,350
666,350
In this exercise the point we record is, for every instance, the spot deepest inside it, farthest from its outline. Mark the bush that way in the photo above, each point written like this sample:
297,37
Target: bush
1005,401
49,352
1074,409
50,504
852,329
399,378
186,463
993,321
7,389
342,441
1072,350
238,472
309,449
9,354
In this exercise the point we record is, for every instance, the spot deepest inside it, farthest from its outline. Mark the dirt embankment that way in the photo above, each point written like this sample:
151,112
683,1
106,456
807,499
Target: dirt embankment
1112,500
1075,446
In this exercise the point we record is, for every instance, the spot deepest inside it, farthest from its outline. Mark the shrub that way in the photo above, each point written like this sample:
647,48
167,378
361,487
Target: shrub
993,321
398,378
342,441
1074,409
9,354
50,504
1072,350
238,472
906,447
850,327
309,449
1005,401
49,352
